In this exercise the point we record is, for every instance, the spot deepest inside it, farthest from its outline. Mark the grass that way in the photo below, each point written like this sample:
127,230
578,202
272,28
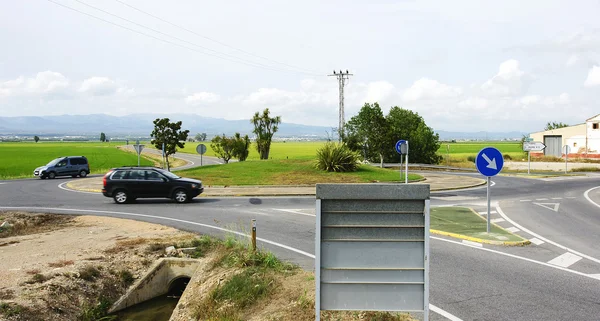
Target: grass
279,150
461,220
287,172
20,159
586,169
89,273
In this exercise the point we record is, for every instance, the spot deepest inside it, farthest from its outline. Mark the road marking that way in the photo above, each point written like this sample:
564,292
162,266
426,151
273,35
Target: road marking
497,220
536,241
587,196
557,198
512,229
525,200
541,199
565,260
571,197
596,276
2,183
61,186
294,212
472,243
515,257
455,198
550,206
431,306
545,239
485,213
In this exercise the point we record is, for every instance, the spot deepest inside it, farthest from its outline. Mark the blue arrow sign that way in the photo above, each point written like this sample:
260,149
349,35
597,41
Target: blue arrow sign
489,161
399,147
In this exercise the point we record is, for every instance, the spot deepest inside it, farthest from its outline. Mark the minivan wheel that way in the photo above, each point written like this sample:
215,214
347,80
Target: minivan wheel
52,175
82,174
121,197
180,196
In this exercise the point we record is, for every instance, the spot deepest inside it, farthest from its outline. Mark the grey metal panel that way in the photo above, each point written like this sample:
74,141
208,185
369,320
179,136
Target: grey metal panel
372,233
372,275
373,191
370,219
372,254
553,146
372,297
373,206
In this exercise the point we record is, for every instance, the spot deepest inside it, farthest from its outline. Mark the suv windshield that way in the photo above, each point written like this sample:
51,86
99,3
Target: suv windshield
168,174
54,162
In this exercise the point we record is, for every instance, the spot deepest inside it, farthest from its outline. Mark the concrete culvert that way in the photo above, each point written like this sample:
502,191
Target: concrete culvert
177,286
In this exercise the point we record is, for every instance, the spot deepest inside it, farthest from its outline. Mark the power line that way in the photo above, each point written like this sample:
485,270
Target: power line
238,60
211,39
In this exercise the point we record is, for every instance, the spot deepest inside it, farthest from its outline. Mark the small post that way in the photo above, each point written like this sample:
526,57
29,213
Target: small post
401,167
567,161
200,159
488,204
529,163
406,171
254,235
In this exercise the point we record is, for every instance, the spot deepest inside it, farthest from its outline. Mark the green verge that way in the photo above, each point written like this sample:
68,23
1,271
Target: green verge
461,220
287,172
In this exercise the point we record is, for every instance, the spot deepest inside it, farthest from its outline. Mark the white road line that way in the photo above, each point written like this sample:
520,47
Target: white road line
541,199
571,197
545,239
443,313
587,196
565,260
512,229
293,212
516,257
557,198
485,213
497,220
61,186
471,243
431,306
536,241
596,276
525,200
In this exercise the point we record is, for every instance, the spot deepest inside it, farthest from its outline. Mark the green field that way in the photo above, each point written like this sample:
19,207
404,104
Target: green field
20,159
279,150
286,172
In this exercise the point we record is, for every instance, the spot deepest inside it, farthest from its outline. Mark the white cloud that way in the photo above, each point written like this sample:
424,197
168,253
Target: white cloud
99,86
474,103
46,84
510,80
202,97
428,89
593,78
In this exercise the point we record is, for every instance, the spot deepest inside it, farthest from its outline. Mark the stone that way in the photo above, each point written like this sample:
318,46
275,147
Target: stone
170,251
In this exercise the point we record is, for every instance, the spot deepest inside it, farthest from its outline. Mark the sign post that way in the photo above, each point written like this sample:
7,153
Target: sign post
138,148
529,147
489,163
201,149
567,150
402,149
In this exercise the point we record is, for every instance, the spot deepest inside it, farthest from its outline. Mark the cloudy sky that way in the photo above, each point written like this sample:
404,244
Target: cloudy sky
463,65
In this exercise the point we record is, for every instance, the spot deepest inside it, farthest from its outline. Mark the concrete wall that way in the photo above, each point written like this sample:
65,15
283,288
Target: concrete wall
593,135
157,281
566,133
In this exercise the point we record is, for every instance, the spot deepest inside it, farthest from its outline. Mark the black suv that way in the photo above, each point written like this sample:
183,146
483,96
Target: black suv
125,184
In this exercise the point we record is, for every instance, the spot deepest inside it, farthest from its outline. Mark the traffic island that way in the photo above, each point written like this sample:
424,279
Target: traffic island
463,223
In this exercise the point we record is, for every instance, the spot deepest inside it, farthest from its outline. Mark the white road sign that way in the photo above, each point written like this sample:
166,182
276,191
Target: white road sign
533,146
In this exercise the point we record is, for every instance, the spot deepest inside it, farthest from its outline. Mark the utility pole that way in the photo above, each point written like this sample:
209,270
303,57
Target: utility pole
342,77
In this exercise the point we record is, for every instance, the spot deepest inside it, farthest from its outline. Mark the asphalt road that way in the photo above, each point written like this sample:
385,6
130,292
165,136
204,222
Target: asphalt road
194,160
557,279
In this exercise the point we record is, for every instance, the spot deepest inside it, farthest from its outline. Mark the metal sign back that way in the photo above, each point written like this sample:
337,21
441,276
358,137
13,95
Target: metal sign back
401,147
372,247
201,149
138,148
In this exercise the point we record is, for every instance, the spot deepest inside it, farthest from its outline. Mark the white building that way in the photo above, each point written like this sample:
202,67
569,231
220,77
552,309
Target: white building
583,139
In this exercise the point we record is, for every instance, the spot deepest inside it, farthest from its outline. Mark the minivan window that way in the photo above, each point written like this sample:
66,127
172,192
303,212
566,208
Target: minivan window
78,161
54,162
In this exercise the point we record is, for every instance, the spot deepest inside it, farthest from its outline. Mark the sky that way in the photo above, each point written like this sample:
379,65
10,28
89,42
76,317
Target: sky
462,65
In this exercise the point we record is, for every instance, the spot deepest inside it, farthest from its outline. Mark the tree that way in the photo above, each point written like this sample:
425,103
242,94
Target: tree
169,134
423,142
102,137
367,132
37,139
200,137
241,146
555,125
264,128
223,147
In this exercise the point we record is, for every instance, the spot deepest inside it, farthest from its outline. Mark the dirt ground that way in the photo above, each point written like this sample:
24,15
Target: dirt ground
43,270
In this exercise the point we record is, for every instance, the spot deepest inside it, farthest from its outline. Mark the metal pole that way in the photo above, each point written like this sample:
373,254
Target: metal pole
138,148
401,167
488,204
254,235
529,163
406,171
200,159
566,159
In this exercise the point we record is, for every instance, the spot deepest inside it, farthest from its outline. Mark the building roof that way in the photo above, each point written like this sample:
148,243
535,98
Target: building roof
597,117
559,129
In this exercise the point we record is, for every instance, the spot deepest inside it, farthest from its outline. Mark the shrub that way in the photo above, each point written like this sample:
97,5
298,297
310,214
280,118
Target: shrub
471,159
126,277
506,157
89,273
333,157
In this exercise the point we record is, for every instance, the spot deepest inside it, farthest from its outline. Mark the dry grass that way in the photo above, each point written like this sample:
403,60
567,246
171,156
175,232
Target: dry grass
127,244
61,263
27,224
6,294
32,272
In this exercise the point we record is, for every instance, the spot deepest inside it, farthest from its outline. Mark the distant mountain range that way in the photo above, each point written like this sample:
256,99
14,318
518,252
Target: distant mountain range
141,125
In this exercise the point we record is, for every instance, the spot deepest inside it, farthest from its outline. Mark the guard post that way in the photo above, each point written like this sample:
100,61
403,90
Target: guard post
372,248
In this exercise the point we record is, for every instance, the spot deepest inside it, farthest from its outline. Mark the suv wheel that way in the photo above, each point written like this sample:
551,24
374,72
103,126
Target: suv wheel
180,196
121,197
52,175
82,174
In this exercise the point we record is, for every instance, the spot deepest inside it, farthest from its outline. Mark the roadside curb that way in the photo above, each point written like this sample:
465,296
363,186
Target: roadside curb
483,182
478,240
